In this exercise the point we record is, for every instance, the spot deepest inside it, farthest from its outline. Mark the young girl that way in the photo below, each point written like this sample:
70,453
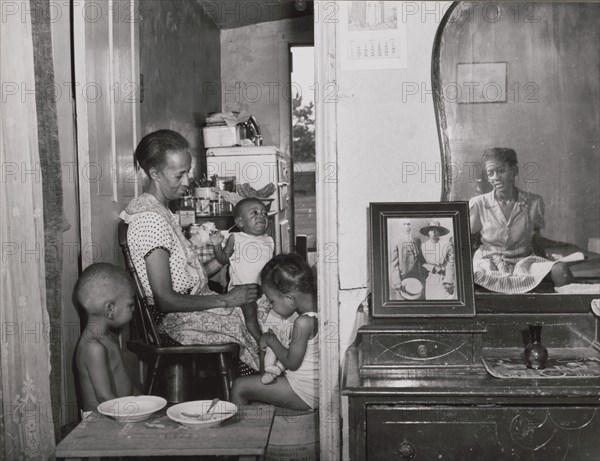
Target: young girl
288,282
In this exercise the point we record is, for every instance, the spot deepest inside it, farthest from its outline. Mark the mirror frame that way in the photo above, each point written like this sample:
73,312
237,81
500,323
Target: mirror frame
488,303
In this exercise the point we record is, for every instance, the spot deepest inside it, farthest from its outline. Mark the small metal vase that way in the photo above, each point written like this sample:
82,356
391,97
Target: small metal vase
535,353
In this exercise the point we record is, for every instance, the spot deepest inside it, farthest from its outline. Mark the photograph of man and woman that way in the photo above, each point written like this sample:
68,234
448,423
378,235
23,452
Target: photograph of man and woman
421,257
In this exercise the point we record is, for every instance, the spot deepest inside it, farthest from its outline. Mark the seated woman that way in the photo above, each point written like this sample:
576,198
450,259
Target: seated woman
166,263
509,222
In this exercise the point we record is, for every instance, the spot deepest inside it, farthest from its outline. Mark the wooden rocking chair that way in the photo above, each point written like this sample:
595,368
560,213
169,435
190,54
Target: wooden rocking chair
153,347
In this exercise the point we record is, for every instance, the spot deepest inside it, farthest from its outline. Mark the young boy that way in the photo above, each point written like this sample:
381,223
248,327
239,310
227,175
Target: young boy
106,294
247,252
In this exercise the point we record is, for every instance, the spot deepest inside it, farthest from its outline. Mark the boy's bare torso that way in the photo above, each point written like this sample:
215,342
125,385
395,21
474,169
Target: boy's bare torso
91,393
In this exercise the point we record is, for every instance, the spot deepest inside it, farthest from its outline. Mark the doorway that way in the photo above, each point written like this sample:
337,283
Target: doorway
303,146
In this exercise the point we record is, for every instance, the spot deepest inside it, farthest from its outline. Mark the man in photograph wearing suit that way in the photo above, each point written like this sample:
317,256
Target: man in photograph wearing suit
406,277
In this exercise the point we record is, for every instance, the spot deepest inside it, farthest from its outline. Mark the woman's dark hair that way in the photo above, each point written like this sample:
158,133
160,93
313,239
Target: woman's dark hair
152,149
287,273
500,154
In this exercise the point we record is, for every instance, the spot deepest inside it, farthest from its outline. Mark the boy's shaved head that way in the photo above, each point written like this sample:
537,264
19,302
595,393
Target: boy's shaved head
96,286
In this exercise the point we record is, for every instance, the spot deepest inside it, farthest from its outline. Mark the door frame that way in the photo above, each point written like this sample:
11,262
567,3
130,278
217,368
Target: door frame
327,234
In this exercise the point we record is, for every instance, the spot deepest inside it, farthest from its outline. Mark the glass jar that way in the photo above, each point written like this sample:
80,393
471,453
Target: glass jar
187,214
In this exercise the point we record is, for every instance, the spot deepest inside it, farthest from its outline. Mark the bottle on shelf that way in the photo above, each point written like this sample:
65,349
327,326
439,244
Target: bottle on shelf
202,196
186,212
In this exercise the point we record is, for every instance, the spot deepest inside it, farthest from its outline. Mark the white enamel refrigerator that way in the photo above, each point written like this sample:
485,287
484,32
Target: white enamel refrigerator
258,166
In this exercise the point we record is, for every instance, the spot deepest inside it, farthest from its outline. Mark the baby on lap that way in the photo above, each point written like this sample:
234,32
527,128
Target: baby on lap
247,252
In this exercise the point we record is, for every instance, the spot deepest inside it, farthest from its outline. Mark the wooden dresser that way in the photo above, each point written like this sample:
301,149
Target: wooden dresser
418,390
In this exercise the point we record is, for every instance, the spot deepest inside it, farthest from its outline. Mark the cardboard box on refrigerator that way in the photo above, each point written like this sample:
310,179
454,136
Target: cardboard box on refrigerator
222,136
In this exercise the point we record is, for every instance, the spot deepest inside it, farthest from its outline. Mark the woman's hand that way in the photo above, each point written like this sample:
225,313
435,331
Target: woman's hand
241,294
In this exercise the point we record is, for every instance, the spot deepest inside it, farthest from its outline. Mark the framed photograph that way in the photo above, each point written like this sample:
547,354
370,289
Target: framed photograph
481,82
421,260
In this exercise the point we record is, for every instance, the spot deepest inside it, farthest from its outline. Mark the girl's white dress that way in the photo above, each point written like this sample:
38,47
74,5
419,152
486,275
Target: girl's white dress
305,380
439,261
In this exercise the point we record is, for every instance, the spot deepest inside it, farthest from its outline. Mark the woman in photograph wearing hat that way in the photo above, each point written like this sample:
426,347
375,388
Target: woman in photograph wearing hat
439,262
508,221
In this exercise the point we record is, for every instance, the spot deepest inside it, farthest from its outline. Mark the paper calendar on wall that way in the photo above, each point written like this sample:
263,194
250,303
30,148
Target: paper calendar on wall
372,35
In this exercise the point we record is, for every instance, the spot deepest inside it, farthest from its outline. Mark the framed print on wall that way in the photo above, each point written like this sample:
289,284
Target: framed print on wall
481,82
421,260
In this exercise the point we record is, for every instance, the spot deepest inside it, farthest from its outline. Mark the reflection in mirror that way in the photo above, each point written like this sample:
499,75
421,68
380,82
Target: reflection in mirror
526,76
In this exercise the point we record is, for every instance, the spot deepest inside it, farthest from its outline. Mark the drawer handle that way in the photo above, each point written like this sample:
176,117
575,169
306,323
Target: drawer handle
407,450
422,350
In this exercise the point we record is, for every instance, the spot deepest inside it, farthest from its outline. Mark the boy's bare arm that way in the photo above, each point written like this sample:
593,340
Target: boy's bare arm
95,358
123,384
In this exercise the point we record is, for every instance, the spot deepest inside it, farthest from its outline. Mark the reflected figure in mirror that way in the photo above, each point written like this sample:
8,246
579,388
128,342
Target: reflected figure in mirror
508,220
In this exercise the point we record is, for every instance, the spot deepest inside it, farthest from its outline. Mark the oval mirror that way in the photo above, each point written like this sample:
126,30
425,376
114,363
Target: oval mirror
526,76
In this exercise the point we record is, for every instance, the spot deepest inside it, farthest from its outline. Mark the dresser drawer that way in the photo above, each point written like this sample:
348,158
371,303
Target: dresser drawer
481,433
417,350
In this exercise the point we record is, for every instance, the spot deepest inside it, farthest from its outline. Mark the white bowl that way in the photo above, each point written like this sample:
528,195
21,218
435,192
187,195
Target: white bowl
223,410
132,408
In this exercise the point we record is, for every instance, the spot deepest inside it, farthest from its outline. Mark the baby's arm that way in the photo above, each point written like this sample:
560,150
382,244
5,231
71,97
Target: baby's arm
222,254
304,328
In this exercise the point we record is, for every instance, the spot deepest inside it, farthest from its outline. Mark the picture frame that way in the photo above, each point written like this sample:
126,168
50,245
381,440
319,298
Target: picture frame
481,82
424,271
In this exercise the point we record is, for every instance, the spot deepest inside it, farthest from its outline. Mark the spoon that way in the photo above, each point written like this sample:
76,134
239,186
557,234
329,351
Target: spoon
213,406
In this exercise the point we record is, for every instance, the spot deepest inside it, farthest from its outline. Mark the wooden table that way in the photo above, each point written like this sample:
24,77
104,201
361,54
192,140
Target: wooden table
245,435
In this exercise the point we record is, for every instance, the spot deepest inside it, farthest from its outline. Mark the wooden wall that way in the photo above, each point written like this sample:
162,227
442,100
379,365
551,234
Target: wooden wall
180,59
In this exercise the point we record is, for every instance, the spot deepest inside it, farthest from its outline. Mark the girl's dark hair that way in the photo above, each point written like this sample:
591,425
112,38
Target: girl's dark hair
288,273
152,149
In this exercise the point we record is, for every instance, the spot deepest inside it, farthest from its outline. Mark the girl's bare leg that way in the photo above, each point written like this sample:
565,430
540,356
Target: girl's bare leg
250,389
